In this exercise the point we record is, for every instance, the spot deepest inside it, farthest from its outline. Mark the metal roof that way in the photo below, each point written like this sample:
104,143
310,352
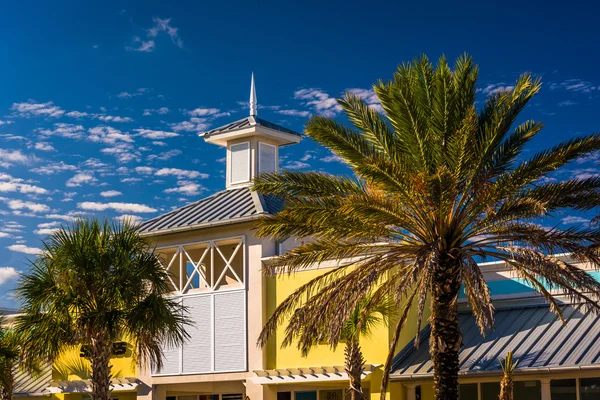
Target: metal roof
247,122
224,207
537,338
28,384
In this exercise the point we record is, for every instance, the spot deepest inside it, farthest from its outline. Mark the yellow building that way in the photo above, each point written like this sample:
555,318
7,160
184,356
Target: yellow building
214,264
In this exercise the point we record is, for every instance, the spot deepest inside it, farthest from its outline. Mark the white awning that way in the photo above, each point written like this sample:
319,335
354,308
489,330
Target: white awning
305,374
85,386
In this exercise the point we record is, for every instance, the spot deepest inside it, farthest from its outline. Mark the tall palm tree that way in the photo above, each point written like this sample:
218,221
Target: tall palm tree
96,283
506,384
437,185
361,323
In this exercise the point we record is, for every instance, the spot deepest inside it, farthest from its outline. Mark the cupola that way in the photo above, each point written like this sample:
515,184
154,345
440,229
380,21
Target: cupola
252,144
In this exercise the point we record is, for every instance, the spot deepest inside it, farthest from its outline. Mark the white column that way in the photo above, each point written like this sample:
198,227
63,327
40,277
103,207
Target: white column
546,394
411,391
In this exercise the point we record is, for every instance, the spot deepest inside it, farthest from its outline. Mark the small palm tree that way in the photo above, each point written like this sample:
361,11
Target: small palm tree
9,356
361,323
438,185
506,384
94,284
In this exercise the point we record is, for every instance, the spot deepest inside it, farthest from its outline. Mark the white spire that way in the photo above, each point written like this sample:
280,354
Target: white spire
253,104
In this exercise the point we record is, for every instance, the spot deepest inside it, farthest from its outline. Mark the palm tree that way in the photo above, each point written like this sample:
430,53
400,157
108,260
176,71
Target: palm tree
437,185
506,384
361,323
94,284
9,356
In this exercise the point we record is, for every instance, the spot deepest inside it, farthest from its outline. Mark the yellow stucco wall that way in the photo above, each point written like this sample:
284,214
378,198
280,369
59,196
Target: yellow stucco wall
71,366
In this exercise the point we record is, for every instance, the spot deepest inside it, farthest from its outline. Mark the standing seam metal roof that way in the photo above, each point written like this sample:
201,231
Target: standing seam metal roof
227,205
246,122
537,338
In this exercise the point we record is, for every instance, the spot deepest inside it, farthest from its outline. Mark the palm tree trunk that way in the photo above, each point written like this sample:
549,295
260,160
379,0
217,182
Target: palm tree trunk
100,359
8,386
355,365
446,339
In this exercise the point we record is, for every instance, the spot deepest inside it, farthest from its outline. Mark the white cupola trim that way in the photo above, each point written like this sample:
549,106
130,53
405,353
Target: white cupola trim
252,144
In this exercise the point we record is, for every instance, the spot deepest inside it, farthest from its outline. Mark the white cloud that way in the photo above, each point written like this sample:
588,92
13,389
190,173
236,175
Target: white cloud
121,207
110,193
332,158
4,235
45,231
369,96
63,217
10,157
566,103
54,168
144,170
574,85
33,109
123,152
112,118
152,134
10,184
44,146
18,205
203,112
160,26
320,101
80,179
159,111
572,219
69,131
6,122
164,156
76,114
21,248
296,165
8,274
108,135
132,219
497,87
193,125
190,189
294,113
181,173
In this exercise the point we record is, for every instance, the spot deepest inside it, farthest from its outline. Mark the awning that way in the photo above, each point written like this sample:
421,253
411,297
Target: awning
305,374
537,338
85,386
32,385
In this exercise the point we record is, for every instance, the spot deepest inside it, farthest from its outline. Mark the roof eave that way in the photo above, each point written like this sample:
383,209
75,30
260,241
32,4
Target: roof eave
203,225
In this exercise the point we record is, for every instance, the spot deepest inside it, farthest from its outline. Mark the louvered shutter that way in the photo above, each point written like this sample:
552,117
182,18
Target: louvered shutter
239,162
171,361
230,331
267,157
197,354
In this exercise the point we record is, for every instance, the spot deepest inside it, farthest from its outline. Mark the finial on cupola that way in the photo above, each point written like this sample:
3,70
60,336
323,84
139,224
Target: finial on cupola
253,104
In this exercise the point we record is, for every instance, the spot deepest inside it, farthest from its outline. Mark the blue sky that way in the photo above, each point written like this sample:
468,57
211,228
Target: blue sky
100,104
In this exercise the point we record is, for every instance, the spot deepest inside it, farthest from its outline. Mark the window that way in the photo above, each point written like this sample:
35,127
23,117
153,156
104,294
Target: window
239,160
331,394
284,396
267,158
234,396
527,390
563,389
490,390
305,395
468,392
589,388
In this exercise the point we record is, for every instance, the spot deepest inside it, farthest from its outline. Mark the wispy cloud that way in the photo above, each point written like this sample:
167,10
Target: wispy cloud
574,85
152,134
10,157
10,184
572,219
189,189
32,108
69,131
496,87
296,165
81,179
23,205
193,125
320,101
181,173
369,97
566,103
159,111
120,207
131,218
44,146
53,168
149,44
293,113
164,156
110,193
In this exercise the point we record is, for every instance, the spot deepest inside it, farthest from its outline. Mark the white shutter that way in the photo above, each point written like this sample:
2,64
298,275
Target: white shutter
197,354
267,157
239,159
230,331
171,361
